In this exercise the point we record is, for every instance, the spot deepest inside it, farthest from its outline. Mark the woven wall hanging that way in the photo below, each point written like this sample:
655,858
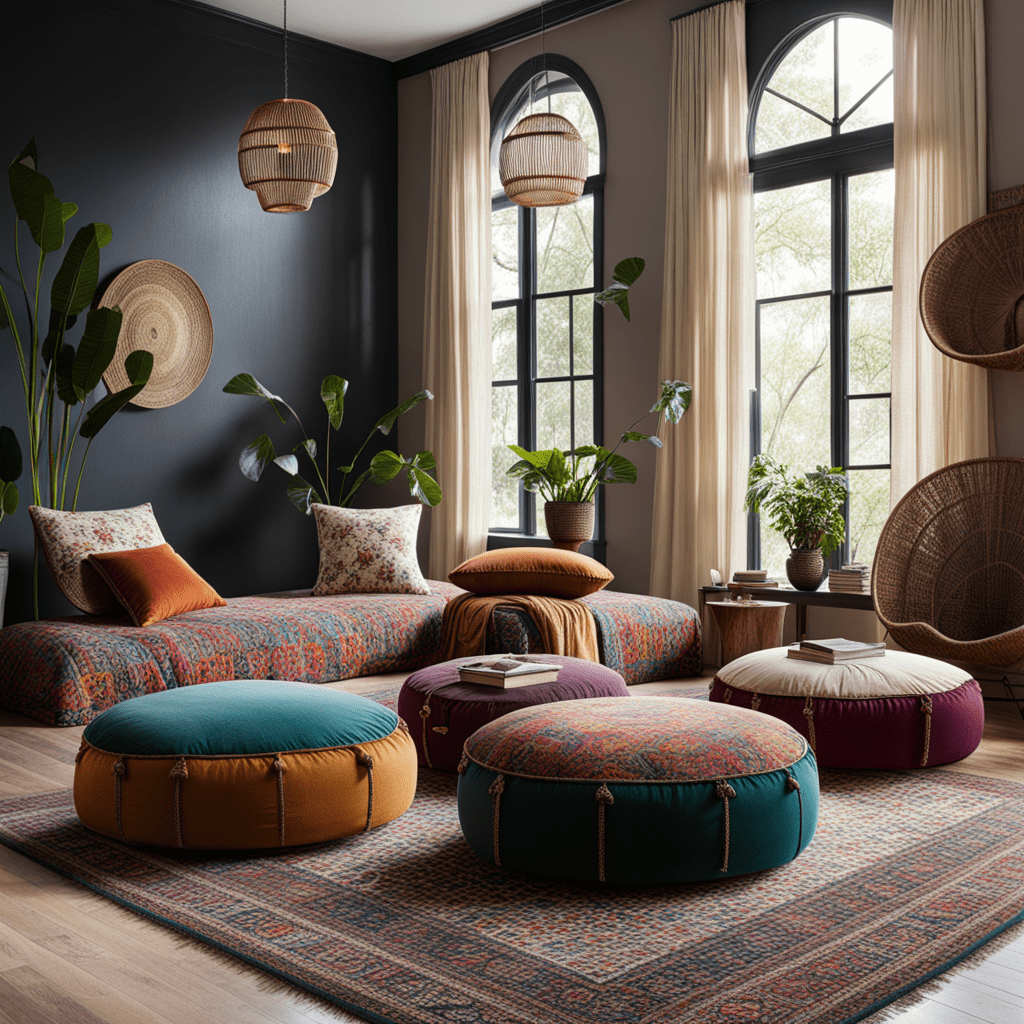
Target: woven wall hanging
164,312
287,153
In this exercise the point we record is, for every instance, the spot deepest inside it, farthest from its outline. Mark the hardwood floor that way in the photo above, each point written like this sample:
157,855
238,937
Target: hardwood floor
68,956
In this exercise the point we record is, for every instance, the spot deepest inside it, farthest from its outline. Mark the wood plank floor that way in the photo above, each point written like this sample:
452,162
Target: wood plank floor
68,956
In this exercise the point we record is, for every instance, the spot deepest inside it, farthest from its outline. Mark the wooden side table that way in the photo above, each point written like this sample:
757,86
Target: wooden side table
748,626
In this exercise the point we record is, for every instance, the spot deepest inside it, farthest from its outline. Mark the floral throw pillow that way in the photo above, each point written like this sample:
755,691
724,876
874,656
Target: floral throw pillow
69,538
368,550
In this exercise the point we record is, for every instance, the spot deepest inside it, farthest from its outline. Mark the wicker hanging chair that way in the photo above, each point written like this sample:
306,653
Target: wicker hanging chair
972,292
948,577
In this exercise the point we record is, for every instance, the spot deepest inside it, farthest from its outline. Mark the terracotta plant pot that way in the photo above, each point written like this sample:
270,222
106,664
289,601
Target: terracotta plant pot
805,568
569,523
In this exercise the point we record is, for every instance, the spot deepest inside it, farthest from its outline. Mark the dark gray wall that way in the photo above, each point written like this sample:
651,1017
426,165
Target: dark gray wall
137,117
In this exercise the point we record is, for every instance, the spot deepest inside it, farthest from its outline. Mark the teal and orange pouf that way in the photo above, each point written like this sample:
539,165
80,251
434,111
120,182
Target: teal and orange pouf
645,790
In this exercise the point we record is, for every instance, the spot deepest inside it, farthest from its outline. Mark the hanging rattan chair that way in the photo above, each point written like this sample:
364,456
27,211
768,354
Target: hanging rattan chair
948,576
972,292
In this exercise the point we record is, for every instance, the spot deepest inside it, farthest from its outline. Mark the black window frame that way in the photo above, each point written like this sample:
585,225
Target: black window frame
774,27
502,109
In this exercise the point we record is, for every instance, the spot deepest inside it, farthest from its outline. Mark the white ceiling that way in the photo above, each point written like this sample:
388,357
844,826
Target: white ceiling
391,29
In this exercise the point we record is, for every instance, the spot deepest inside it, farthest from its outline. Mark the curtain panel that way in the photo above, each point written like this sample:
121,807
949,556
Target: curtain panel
940,407
457,320
707,307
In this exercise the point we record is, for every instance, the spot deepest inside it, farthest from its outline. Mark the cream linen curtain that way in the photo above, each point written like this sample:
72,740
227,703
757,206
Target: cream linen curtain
940,407
457,320
707,307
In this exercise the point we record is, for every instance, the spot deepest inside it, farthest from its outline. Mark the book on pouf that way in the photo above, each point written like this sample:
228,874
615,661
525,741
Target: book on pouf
833,651
506,671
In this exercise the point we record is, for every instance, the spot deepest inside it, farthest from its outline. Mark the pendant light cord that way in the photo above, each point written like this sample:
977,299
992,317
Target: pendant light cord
286,49
544,56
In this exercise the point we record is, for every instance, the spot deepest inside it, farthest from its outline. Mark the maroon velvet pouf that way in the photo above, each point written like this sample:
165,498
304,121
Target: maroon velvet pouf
898,711
443,713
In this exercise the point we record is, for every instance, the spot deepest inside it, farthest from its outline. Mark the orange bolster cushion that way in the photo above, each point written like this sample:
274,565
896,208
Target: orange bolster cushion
154,583
547,572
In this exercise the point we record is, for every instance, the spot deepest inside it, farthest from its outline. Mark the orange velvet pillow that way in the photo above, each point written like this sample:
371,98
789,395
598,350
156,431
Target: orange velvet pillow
154,583
547,572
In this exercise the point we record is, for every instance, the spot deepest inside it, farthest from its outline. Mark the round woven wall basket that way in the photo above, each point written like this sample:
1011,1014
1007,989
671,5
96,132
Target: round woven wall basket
972,292
164,312
543,161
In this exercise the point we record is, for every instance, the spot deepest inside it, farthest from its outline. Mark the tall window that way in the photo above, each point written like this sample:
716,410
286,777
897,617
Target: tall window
821,153
546,268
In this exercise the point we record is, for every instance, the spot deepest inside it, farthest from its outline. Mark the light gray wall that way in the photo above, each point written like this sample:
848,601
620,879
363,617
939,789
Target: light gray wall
626,51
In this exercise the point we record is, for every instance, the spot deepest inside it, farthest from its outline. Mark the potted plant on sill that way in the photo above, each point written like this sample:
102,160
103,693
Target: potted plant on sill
568,480
10,470
807,509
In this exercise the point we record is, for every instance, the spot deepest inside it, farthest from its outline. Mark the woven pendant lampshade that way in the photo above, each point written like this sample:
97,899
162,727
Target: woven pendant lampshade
543,161
287,154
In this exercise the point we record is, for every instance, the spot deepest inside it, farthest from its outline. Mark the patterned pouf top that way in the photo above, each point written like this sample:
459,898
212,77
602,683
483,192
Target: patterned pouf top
240,717
895,674
639,739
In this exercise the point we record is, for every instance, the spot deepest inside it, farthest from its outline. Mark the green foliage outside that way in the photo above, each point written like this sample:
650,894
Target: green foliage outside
384,466
806,509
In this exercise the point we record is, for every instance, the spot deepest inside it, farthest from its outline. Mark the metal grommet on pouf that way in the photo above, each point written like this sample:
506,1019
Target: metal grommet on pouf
645,790
243,764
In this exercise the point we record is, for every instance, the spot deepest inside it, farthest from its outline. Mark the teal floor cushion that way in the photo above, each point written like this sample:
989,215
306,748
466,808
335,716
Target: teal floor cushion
648,790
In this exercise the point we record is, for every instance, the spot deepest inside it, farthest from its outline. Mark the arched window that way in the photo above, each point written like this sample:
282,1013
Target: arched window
821,152
546,266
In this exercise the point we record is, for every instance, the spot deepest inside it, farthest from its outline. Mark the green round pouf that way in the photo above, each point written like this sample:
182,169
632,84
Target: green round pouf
644,790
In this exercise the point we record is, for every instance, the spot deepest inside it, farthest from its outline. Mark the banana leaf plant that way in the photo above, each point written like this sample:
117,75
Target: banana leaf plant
623,276
55,377
571,475
384,466
10,470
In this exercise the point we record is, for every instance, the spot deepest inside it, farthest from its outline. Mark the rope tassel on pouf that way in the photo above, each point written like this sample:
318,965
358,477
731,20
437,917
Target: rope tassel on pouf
496,788
179,773
725,793
604,799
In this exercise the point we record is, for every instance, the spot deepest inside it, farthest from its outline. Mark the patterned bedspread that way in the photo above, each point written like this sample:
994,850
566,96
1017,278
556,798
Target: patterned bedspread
65,671
642,638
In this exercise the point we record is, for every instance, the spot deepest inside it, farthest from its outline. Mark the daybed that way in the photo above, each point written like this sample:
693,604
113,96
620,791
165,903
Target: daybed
66,671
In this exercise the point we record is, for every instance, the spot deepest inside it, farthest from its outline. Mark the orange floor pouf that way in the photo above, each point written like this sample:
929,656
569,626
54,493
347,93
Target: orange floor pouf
243,764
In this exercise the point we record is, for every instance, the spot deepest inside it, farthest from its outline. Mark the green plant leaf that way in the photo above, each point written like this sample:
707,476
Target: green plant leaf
424,460
617,293
29,155
332,391
75,284
8,498
539,460
424,487
256,457
247,384
617,469
557,469
10,455
308,446
29,189
288,463
385,466
68,210
65,369
387,421
628,270
303,495
96,350
50,234
635,435
674,399
138,365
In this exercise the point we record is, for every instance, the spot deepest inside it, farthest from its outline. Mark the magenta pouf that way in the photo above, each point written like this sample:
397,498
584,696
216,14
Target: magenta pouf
443,713
898,711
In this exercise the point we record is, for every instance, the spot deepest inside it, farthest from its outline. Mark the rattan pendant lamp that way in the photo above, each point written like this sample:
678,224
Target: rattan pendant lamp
287,153
543,159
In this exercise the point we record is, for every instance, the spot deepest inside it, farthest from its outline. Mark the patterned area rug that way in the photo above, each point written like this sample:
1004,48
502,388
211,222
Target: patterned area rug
907,873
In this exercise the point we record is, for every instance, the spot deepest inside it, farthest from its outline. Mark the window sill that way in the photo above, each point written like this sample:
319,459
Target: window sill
597,549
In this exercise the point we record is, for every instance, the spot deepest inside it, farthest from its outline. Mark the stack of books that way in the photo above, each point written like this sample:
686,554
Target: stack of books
744,578
853,578
506,671
832,652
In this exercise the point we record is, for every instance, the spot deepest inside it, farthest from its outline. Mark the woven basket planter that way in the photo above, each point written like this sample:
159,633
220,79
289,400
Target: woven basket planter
805,568
569,523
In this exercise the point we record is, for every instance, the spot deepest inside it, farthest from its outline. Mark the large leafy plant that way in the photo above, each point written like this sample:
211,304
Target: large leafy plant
55,377
10,470
384,466
806,508
576,475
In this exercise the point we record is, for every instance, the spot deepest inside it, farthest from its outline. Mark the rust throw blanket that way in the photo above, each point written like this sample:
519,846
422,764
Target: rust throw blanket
565,627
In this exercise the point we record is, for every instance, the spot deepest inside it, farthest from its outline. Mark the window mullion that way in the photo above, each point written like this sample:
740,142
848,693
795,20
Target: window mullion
527,506
840,341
